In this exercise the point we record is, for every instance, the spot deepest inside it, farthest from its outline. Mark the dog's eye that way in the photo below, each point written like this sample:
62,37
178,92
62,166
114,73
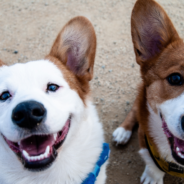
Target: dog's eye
175,79
5,95
52,87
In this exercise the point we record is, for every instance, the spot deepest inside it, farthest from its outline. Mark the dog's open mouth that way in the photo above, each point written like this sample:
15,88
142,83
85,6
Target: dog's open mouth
38,152
177,145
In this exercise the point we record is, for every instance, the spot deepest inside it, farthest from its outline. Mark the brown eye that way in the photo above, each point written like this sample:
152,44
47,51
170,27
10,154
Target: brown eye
5,95
52,87
175,79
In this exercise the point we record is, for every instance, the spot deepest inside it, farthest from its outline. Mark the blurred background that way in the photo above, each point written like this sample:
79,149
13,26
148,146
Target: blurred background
27,32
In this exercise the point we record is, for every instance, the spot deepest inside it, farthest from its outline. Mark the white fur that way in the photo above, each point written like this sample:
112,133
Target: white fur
121,136
172,111
158,135
101,178
83,145
152,174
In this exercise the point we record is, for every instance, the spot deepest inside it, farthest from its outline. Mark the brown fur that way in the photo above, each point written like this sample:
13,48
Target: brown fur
76,28
1,63
81,87
156,65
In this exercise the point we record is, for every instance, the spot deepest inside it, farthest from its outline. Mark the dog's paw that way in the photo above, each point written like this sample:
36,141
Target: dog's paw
152,176
121,136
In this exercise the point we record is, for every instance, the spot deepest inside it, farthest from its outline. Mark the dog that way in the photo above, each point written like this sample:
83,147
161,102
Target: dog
50,130
159,105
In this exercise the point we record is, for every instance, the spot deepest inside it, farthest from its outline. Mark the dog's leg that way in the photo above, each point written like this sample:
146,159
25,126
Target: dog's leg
152,174
123,133
102,175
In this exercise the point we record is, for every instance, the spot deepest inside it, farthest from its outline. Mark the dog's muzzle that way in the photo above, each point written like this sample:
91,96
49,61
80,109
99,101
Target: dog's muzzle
37,151
28,114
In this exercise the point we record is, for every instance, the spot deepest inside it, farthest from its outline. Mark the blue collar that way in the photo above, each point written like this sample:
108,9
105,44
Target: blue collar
102,159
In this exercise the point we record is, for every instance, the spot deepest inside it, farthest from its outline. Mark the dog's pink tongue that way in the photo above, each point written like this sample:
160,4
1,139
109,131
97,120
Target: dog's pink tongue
36,145
179,143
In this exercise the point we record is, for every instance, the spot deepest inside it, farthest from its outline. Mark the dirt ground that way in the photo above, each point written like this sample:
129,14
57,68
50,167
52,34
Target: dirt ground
28,29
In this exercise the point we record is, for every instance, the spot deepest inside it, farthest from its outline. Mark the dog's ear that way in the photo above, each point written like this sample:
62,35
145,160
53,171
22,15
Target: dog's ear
75,46
151,29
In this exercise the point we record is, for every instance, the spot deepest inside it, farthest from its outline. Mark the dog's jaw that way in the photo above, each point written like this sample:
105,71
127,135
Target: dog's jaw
38,152
169,145
156,132
176,144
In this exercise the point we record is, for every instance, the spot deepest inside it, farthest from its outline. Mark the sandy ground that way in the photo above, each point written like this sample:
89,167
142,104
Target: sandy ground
28,29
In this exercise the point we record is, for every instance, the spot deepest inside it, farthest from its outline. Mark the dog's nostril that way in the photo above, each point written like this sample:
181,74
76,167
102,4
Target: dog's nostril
18,116
182,123
37,112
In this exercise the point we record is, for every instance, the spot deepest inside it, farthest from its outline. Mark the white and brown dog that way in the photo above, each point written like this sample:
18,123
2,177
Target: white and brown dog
48,123
159,106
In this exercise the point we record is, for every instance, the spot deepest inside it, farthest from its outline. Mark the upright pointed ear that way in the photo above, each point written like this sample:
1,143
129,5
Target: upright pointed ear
75,46
151,29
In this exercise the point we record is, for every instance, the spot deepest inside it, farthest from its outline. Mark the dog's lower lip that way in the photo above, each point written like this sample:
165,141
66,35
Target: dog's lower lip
39,151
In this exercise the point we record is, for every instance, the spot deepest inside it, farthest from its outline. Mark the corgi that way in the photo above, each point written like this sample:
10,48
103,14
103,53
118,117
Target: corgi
159,105
50,132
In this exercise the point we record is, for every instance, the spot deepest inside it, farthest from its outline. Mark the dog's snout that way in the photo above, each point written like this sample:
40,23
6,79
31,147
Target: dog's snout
28,114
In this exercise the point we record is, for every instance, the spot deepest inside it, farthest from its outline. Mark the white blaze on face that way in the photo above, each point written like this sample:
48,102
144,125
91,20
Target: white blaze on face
29,82
172,111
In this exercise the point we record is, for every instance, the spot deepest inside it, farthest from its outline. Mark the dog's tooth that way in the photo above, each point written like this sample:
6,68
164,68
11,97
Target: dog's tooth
45,154
55,136
35,158
42,157
47,149
182,156
25,154
177,149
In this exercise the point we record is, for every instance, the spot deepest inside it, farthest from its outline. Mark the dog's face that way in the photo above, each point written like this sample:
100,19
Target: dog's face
40,100
160,52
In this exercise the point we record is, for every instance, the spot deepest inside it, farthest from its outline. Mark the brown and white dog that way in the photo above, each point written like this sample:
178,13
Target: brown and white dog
159,106
48,123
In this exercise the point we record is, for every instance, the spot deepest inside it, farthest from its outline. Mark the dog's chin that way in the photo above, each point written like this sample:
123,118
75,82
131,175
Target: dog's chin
38,152
177,145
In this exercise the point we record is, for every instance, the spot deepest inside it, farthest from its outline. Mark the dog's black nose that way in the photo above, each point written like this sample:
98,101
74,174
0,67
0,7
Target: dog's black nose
28,114
182,123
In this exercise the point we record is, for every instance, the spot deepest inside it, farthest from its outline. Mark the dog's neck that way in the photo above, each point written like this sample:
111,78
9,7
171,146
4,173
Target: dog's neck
156,132
74,162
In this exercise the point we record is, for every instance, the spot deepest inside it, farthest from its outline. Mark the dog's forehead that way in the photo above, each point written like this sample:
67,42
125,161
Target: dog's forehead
173,56
33,72
170,61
